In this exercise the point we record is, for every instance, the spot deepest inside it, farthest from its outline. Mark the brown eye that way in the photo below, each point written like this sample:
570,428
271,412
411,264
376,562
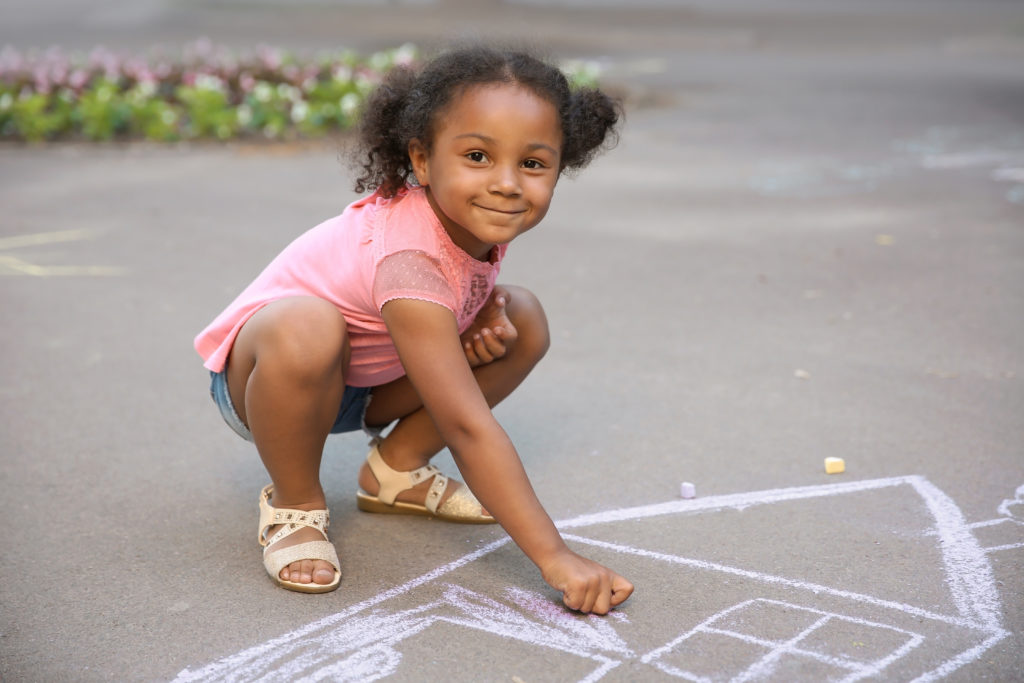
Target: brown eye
477,157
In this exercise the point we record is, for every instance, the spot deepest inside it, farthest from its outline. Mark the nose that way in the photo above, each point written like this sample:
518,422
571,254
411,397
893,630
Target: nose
505,181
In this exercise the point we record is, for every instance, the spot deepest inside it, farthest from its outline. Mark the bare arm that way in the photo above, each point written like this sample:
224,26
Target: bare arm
427,339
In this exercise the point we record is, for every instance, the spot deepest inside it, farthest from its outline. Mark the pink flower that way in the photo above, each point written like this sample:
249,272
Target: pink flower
42,81
270,57
78,79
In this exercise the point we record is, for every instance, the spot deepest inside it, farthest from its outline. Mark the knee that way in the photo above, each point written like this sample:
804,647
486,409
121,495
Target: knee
527,314
305,336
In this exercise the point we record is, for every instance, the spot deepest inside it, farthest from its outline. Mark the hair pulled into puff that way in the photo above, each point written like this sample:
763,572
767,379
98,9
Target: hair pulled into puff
408,103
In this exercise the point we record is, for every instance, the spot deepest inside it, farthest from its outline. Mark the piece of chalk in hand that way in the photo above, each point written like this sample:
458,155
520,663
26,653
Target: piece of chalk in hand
834,465
687,490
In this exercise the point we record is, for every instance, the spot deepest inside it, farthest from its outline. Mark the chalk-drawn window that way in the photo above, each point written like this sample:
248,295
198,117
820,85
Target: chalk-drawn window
761,639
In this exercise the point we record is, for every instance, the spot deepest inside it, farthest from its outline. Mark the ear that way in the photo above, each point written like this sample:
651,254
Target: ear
418,157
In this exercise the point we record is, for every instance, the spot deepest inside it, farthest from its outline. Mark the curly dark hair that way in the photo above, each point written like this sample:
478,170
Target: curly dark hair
408,102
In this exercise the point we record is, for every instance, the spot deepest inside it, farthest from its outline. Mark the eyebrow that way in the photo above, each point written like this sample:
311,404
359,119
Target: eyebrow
491,141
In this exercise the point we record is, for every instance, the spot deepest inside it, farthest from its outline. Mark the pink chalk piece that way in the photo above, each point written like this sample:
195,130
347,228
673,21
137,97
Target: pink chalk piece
687,490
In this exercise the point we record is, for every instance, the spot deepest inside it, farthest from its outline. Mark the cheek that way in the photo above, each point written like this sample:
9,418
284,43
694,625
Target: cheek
459,186
542,193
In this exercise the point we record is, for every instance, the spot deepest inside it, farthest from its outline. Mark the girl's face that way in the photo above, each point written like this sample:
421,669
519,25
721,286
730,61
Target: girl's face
493,167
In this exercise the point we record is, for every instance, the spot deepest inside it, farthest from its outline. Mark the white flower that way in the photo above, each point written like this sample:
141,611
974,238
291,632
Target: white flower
210,82
379,61
300,110
405,54
263,91
146,89
244,114
289,92
364,84
342,73
349,103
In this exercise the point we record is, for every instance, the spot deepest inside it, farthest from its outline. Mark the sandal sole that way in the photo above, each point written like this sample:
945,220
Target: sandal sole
309,587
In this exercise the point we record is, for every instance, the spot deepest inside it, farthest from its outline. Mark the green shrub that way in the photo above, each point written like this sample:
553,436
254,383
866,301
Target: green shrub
204,93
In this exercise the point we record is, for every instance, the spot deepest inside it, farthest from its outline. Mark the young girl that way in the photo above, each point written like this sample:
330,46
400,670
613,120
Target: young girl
390,313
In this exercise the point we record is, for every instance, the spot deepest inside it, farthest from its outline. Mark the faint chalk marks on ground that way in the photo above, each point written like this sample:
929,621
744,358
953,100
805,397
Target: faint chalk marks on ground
940,149
803,179
963,148
21,264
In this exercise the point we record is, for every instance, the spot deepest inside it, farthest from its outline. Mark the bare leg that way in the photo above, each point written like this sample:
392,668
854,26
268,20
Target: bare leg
286,378
415,440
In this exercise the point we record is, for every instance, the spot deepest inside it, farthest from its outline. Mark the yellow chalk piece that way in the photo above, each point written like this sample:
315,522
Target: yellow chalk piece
834,465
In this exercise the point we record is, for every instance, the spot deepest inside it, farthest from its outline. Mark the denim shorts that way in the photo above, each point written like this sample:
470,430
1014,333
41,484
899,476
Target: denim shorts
351,415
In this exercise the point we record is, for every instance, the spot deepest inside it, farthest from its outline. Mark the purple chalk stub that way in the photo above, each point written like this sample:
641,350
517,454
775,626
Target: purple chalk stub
687,490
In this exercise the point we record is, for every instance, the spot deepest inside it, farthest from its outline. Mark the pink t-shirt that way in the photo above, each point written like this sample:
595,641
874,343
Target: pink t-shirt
377,250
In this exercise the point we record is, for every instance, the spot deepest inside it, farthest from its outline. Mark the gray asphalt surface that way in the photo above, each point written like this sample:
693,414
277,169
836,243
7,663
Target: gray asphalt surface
809,243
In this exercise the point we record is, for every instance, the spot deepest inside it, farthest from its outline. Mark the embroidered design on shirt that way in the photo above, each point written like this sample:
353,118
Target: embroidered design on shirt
478,290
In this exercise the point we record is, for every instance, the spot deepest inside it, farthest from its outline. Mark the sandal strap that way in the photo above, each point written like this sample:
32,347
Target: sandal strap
435,492
392,482
290,518
276,560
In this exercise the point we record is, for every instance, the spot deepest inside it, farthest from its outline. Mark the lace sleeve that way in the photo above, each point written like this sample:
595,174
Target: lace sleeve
412,275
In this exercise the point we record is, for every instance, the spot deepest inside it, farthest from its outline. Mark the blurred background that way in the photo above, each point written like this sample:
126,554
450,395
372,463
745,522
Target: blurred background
809,243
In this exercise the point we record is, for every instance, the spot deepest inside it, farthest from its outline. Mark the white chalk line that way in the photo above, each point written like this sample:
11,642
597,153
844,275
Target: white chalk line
377,633
839,661
945,512
766,664
780,580
968,573
1008,546
915,640
258,651
965,657
859,669
1004,507
738,501
994,522
763,667
606,663
856,667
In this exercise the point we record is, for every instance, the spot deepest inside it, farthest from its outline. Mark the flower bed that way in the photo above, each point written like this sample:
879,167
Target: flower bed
205,92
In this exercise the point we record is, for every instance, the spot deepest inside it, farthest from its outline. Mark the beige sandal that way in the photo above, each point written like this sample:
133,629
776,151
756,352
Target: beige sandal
292,521
462,506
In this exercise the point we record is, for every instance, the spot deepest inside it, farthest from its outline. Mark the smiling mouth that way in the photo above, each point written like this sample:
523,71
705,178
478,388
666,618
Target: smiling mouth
507,212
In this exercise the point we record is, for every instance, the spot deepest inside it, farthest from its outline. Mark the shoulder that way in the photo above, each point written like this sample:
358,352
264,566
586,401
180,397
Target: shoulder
408,223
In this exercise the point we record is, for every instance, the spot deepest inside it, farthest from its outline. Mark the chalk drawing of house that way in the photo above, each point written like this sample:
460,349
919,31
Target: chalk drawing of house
711,619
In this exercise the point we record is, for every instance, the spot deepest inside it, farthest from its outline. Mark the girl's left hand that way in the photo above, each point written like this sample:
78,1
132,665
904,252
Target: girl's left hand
491,333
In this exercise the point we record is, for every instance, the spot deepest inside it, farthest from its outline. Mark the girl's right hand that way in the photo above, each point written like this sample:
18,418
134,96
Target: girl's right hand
586,586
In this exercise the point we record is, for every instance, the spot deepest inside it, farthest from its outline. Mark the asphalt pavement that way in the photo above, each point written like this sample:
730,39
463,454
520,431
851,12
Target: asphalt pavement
809,243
